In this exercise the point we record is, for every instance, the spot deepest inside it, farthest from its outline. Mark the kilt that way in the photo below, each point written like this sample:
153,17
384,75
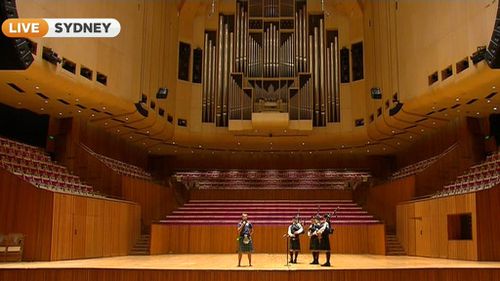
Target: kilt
294,244
314,243
324,244
245,248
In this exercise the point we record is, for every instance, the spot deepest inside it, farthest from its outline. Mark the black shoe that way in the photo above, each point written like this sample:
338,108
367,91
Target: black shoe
315,262
326,264
295,261
291,261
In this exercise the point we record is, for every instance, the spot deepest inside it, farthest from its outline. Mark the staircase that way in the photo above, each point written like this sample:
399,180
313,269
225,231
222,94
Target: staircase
392,246
141,247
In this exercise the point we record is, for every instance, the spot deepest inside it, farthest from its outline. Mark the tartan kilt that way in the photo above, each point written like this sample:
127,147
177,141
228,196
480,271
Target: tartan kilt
245,248
324,244
294,244
314,243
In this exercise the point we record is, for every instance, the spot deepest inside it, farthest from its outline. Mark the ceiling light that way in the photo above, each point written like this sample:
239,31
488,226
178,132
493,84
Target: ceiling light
199,146
77,100
147,132
433,123
131,137
383,148
60,113
92,115
399,143
79,111
457,99
368,150
103,108
118,130
42,109
46,101
495,108
303,143
36,87
173,142
422,130
477,113
19,103
126,118
493,87
106,124
411,137
393,131
488,100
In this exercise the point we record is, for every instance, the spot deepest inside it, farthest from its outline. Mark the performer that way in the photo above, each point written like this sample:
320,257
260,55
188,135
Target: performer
314,240
294,231
324,233
245,243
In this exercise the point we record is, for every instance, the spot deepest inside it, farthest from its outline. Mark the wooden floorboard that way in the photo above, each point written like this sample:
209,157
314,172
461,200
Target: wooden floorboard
265,267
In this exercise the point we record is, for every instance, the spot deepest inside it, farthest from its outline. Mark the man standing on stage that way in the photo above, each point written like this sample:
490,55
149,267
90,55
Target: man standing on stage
314,239
324,232
294,231
245,243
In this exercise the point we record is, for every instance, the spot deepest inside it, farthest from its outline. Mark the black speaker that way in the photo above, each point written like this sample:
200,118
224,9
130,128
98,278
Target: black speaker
162,93
184,54
357,61
344,66
197,65
376,93
15,52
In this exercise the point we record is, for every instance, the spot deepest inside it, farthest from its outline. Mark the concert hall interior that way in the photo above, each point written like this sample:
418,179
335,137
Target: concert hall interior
167,139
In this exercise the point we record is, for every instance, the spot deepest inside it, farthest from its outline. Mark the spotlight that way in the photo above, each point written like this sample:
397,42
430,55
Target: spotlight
162,93
478,55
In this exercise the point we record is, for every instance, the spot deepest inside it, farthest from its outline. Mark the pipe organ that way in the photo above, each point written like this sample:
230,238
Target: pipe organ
271,56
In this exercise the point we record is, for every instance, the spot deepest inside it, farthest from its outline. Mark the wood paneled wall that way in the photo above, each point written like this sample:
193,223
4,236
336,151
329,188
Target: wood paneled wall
85,227
422,227
381,200
470,150
269,194
28,210
184,239
156,200
419,274
63,226
488,228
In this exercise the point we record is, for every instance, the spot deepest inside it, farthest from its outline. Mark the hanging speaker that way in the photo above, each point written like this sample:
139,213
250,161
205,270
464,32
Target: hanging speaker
15,52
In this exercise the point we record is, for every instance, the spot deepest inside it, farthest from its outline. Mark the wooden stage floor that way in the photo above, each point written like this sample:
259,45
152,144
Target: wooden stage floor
259,261
268,267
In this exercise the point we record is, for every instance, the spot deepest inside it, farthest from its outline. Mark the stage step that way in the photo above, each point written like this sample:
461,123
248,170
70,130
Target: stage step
141,247
392,246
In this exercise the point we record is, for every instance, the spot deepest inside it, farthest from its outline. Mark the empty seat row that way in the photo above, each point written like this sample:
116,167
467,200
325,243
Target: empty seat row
419,166
267,211
482,176
36,167
119,166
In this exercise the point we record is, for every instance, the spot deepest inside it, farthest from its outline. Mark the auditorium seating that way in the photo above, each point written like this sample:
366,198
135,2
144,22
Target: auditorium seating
481,176
267,211
119,166
420,166
272,179
33,165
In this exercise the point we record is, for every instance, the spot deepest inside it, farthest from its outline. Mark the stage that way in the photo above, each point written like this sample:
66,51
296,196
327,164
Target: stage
265,267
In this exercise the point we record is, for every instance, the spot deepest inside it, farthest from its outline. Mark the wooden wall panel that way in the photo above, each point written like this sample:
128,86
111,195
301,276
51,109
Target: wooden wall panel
488,229
87,227
348,239
381,200
156,201
272,194
28,210
441,274
422,227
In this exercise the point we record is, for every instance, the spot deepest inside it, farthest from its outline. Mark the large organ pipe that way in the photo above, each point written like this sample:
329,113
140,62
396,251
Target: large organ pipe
316,77
328,83
237,35
304,42
204,80
297,40
230,65
321,51
225,74
219,72
337,82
